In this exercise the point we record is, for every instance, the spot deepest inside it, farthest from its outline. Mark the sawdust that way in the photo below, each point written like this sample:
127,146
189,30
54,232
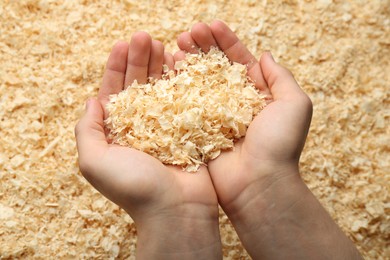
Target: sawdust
186,118
52,58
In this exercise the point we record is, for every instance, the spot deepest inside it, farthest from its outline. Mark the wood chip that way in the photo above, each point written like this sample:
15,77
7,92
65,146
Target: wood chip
52,57
188,118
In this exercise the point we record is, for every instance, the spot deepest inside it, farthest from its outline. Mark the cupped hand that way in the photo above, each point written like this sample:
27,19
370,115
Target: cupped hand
258,183
272,146
154,194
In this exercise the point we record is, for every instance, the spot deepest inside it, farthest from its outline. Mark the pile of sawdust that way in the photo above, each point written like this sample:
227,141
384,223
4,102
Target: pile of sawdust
52,56
189,117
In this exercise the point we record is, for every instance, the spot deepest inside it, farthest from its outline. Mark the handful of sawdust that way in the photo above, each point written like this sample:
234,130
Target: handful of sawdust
188,118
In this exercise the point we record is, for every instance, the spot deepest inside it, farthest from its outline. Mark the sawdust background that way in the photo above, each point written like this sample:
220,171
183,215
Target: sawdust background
52,56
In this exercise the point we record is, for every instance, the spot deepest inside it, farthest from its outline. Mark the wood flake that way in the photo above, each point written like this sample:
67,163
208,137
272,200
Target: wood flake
186,119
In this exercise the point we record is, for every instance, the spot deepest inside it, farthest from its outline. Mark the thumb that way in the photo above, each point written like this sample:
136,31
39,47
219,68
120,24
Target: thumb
89,131
280,80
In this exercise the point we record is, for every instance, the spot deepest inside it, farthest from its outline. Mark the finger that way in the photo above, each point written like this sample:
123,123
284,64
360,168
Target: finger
229,43
280,80
169,60
156,60
90,137
186,43
138,58
236,51
114,75
179,55
203,37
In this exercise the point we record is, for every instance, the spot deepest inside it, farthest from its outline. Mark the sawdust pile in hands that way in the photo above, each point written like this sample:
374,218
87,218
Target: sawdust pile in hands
186,118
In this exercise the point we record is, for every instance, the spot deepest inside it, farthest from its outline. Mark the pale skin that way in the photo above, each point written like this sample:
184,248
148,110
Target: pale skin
257,183
176,213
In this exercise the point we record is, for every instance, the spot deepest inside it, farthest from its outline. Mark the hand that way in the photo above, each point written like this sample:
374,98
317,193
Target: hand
258,183
274,140
176,213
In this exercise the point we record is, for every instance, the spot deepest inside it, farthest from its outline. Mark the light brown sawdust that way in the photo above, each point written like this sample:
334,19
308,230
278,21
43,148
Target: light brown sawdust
52,56
186,118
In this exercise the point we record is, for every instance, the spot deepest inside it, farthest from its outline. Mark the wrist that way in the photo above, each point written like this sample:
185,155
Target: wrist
263,200
284,214
185,234
261,186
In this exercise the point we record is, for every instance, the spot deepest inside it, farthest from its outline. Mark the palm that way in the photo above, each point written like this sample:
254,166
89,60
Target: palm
269,143
140,180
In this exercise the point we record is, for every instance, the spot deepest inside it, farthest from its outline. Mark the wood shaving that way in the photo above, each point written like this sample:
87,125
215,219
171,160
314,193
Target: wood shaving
339,52
188,118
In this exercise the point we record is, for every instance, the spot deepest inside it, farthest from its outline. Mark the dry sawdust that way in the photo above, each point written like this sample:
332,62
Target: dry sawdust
52,56
186,118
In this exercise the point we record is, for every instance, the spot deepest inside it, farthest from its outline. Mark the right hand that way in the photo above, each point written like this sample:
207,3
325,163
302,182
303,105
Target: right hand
176,213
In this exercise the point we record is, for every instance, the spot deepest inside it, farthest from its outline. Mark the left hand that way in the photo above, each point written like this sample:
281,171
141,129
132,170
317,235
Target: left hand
274,139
